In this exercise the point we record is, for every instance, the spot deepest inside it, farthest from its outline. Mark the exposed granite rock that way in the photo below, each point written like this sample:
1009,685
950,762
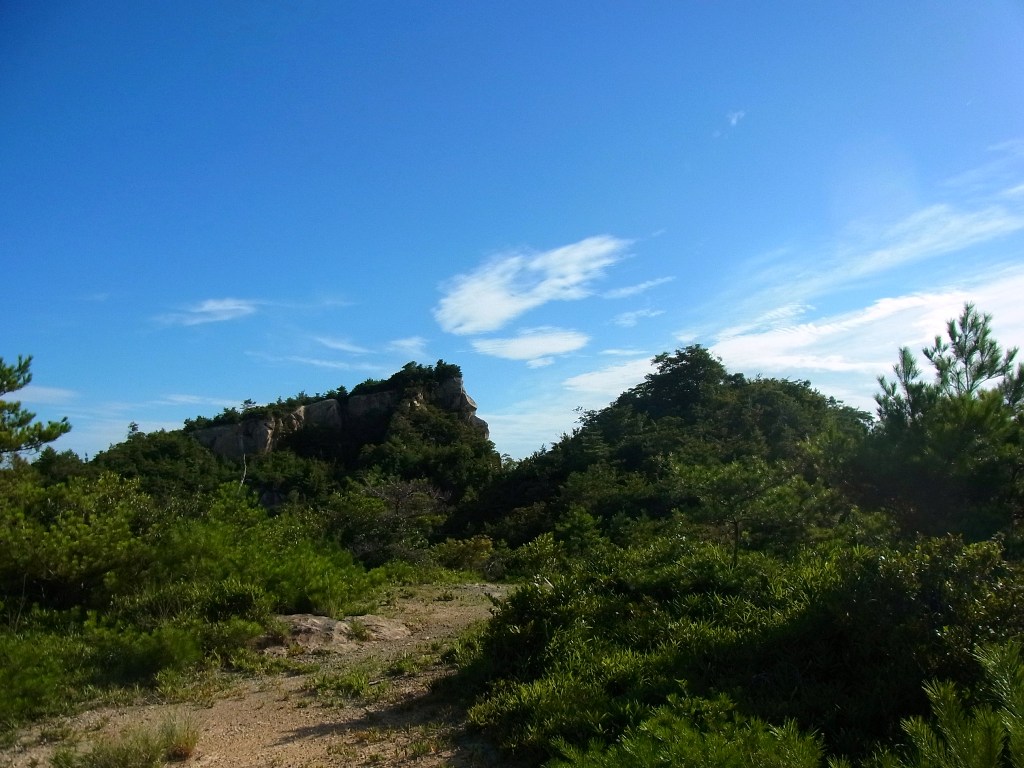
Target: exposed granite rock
263,434
360,406
322,633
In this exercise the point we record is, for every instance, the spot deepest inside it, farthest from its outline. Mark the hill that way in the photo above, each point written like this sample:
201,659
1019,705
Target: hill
712,570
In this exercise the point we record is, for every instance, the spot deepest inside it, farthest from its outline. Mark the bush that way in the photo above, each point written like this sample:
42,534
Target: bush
699,733
40,674
464,554
839,641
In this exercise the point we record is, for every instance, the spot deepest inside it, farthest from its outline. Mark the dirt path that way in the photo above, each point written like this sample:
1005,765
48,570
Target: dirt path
362,697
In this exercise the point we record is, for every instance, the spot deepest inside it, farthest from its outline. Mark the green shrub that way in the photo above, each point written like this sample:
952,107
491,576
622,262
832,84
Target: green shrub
840,640
989,735
74,544
700,734
126,654
464,554
40,674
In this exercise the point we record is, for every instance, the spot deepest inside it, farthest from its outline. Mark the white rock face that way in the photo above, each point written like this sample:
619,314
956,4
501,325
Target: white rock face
262,435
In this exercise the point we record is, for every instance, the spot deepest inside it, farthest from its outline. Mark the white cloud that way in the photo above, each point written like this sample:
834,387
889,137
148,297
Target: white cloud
338,365
35,394
932,231
536,345
511,284
341,345
88,436
413,346
633,290
527,426
212,311
630,319
769,319
927,235
622,352
523,427
863,340
612,380
735,117
766,324
178,399
843,354
1004,166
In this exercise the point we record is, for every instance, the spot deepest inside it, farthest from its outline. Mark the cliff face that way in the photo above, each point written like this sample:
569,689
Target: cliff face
261,434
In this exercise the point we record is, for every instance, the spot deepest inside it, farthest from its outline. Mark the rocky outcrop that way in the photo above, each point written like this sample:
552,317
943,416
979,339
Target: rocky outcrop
263,434
311,633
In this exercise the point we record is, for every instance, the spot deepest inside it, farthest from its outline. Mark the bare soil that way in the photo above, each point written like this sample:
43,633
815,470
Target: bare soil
305,717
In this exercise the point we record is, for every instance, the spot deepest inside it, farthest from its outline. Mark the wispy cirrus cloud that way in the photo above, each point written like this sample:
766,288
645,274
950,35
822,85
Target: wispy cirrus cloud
772,318
37,394
180,399
634,290
212,311
615,352
522,427
338,365
317,362
1003,167
630,319
537,346
844,353
341,345
933,231
933,234
413,346
507,286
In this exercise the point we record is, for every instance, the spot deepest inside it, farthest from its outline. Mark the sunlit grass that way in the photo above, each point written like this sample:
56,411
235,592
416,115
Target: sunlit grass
173,740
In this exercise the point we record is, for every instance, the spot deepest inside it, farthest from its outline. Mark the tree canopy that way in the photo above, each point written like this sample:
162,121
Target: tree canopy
945,455
18,429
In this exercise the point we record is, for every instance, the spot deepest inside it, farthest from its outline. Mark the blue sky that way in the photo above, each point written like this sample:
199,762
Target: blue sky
203,202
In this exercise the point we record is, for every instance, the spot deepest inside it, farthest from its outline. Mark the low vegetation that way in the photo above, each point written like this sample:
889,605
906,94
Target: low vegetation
173,740
714,570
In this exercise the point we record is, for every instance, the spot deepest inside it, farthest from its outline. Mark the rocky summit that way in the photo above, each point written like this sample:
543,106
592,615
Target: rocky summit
262,434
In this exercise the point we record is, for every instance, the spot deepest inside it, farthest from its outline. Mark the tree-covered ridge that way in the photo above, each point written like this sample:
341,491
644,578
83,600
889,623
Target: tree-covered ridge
632,459
716,569
412,374
413,439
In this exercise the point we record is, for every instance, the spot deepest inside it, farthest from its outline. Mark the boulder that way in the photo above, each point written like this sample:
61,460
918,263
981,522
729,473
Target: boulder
322,633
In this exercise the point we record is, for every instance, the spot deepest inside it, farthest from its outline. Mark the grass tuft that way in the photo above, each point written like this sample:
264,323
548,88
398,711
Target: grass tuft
173,740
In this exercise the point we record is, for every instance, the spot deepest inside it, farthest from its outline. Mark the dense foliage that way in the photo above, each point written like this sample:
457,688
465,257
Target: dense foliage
716,570
736,571
100,584
948,454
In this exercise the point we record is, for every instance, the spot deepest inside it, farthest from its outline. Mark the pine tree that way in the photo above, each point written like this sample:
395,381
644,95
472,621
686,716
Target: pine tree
946,454
18,429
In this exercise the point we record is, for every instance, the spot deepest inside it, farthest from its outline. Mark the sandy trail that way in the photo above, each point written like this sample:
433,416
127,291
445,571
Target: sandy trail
308,719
